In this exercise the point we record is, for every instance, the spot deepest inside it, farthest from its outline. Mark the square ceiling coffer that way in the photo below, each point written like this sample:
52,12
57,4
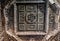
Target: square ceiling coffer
31,16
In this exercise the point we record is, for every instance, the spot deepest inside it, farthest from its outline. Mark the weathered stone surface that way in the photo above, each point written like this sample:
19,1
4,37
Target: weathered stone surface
30,18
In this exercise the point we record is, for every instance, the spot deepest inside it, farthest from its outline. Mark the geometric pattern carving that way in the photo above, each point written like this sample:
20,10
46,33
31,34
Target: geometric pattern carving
31,17
31,27
40,27
21,27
